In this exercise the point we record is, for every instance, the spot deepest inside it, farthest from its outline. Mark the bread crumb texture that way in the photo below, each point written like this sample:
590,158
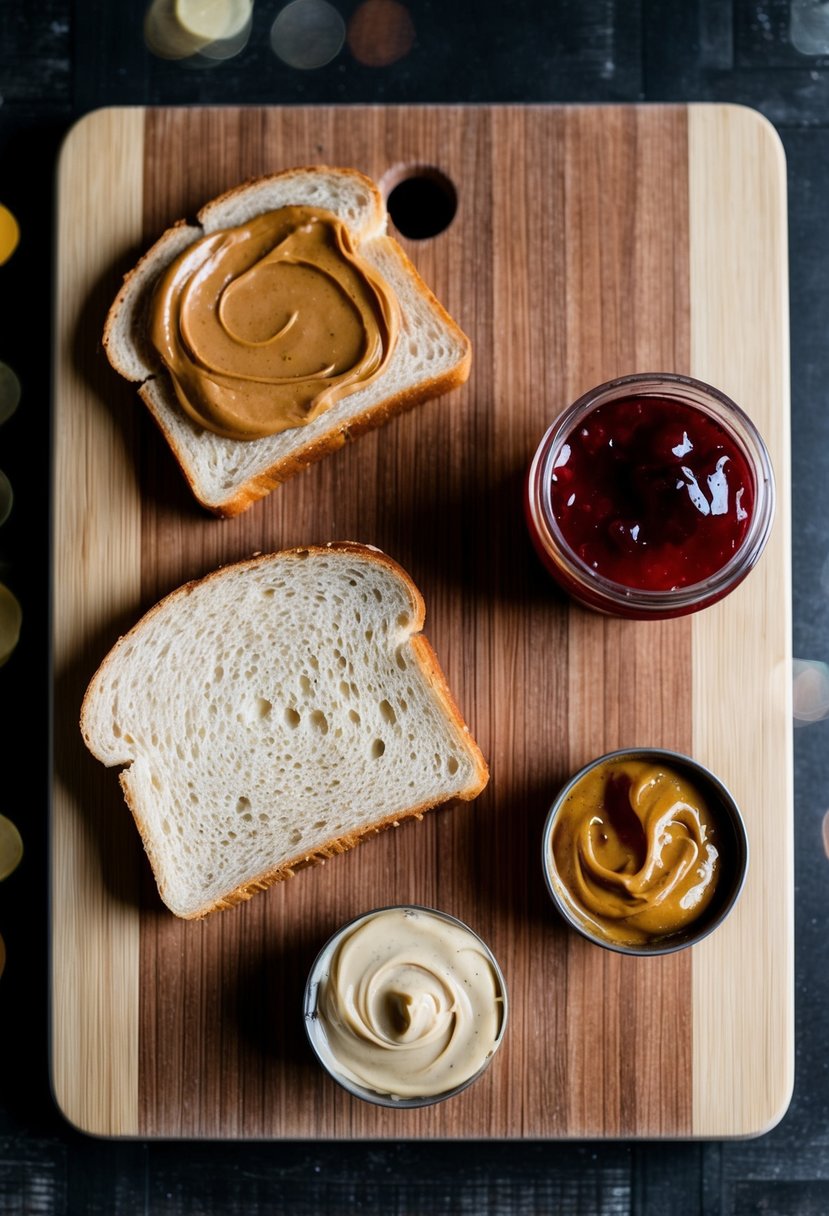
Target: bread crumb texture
273,714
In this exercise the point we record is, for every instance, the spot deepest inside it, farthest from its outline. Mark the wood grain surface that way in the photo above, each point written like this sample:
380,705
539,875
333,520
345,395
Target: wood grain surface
588,242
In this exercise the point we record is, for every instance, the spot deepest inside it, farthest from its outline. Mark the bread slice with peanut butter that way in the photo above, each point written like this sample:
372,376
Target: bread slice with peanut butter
228,355
276,713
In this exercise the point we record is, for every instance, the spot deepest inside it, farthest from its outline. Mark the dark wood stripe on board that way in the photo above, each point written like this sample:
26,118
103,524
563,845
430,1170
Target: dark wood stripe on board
566,263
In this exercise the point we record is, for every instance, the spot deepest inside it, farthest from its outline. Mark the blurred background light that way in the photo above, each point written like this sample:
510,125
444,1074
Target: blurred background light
380,32
199,30
9,234
9,392
11,618
809,26
11,847
810,691
6,497
307,34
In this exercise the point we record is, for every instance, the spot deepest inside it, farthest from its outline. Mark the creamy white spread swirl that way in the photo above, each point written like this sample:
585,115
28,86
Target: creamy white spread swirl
411,1005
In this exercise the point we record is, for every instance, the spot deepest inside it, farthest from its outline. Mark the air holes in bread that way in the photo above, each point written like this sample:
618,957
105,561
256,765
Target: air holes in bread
287,769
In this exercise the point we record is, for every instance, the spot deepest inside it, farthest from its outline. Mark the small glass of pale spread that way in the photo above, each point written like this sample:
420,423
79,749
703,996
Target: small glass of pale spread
644,851
405,1006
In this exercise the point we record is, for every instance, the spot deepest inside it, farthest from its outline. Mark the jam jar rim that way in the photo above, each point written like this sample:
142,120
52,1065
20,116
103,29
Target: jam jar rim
741,428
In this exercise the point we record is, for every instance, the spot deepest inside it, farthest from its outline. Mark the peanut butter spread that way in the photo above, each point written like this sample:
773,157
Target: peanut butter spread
634,848
262,327
411,1005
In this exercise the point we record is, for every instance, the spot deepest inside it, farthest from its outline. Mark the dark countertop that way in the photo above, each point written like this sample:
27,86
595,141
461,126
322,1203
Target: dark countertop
59,60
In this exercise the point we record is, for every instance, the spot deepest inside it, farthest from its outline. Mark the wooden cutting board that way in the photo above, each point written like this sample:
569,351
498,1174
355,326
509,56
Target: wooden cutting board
588,242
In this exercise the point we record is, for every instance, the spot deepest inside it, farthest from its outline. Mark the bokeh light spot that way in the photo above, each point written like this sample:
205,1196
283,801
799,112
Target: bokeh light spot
810,691
6,497
307,34
9,234
380,32
201,31
826,833
11,847
809,26
9,392
11,618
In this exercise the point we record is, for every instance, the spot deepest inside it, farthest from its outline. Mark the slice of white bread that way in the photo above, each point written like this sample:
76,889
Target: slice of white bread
431,355
273,714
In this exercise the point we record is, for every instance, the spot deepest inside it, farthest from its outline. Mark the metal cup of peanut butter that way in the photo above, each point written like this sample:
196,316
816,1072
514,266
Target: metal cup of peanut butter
405,1006
644,851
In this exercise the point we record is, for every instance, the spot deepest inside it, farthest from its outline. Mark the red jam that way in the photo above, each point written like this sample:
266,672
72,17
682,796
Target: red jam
652,493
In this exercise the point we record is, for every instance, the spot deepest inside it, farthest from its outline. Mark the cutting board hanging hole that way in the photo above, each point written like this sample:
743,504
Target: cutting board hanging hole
421,201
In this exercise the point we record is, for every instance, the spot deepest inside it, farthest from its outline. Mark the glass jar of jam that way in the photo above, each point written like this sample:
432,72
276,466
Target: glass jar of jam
650,497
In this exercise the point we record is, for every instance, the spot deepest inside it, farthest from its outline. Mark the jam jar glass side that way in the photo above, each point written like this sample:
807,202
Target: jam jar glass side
588,586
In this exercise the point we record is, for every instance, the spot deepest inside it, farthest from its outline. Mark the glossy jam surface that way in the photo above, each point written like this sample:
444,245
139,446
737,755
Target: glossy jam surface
652,493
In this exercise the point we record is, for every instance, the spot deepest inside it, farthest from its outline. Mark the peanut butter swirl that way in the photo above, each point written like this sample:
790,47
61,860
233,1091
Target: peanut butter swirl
634,847
411,1005
264,326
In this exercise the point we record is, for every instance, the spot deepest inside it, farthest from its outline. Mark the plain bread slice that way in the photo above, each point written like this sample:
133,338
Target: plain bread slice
274,714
